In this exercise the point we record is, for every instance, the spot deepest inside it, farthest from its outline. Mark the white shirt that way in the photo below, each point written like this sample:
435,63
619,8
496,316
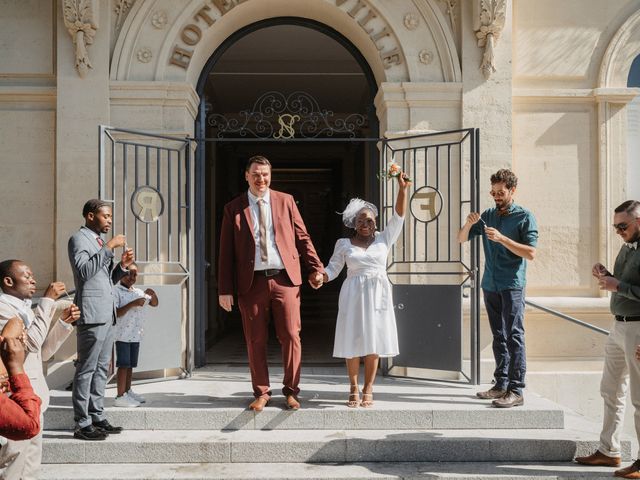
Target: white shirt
22,306
130,326
273,256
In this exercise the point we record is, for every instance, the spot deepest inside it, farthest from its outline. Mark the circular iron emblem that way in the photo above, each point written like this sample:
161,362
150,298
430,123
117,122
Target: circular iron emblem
426,204
147,204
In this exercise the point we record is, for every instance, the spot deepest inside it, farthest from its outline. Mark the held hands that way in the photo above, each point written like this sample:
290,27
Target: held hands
54,290
70,314
226,302
316,280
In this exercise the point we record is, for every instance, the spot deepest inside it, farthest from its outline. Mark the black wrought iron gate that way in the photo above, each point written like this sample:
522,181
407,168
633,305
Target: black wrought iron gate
433,276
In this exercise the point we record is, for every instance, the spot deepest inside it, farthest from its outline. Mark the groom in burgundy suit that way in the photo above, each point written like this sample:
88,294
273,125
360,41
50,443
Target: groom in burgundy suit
262,241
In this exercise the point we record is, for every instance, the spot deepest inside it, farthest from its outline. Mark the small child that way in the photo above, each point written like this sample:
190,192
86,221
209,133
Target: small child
130,302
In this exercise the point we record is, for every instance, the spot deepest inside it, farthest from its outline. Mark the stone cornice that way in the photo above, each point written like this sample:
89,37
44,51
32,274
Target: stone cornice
28,95
407,94
574,95
176,94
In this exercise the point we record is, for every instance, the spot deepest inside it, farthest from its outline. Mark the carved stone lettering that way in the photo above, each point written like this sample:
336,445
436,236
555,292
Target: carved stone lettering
193,37
356,8
180,57
202,14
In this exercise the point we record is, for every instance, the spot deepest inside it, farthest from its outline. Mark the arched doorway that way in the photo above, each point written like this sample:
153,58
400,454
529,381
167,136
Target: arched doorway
291,61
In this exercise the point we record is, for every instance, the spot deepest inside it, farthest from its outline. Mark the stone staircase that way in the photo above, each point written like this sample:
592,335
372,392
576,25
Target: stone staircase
199,428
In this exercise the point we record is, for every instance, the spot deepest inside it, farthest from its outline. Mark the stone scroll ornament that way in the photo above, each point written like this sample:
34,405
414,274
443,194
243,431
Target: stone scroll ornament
492,20
80,20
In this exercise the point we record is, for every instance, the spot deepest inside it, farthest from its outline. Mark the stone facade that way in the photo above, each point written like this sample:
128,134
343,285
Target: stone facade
551,102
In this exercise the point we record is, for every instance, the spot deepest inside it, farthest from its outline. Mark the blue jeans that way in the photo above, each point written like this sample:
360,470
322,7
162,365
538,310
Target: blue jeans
506,317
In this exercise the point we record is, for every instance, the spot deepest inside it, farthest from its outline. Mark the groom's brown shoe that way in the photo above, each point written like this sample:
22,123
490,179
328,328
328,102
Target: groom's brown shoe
292,402
599,459
258,404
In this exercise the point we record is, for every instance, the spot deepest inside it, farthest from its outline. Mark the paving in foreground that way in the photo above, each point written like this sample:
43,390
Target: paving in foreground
199,428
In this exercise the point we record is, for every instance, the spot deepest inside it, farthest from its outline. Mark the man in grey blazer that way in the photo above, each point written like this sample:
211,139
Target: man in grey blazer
94,274
21,459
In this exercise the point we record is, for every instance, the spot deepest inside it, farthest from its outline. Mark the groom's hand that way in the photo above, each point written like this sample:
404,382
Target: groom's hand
315,280
226,302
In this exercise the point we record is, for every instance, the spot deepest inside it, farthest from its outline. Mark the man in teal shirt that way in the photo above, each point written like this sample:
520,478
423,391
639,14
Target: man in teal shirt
509,237
621,367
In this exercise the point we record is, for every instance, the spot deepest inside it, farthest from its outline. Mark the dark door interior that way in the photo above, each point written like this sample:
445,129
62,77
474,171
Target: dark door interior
321,177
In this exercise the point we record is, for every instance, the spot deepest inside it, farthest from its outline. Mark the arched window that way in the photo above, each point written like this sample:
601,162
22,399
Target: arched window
633,139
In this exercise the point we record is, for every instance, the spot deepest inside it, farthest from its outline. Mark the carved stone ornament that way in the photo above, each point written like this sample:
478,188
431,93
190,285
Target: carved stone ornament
425,56
82,24
121,8
450,9
411,21
492,20
159,19
144,55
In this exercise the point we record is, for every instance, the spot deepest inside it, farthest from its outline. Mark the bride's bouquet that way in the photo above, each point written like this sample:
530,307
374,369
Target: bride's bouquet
392,171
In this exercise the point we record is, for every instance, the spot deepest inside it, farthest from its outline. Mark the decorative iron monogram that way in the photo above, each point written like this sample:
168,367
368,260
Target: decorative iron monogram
275,115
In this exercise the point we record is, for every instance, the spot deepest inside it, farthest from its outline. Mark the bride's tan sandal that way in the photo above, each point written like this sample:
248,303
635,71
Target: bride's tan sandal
354,398
367,400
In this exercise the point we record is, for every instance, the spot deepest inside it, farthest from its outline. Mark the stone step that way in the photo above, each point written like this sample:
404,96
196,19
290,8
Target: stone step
304,471
536,414
322,446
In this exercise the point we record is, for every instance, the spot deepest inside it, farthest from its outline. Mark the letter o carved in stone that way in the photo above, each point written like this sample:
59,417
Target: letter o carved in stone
193,37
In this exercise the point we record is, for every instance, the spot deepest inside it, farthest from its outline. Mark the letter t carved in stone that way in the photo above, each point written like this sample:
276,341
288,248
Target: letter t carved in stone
80,18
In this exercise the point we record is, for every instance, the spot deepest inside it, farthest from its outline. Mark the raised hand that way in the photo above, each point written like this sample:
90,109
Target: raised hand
54,290
12,355
127,258
70,314
117,241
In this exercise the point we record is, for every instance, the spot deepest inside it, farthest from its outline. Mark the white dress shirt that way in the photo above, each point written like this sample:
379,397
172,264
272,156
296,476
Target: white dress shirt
273,256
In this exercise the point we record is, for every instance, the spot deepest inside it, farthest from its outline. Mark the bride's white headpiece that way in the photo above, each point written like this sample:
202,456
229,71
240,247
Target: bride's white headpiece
355,206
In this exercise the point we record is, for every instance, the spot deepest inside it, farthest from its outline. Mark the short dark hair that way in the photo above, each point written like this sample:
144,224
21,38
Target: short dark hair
6,268
93,205
506,176
632,207
259,159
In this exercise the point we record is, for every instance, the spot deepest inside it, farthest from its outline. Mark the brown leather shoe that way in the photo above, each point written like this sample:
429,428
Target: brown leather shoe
599,459
292,402
491,394
258,404
508,400
632,471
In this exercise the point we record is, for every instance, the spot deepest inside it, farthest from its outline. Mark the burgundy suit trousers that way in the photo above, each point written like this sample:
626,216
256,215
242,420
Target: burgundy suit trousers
272,297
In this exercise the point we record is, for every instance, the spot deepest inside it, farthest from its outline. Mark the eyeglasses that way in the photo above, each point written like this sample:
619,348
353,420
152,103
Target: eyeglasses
498,194
621,226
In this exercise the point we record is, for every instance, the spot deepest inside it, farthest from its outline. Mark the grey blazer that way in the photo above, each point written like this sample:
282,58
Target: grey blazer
94,274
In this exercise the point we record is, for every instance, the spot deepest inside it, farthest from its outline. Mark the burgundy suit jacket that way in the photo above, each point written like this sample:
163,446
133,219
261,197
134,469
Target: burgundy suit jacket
238,248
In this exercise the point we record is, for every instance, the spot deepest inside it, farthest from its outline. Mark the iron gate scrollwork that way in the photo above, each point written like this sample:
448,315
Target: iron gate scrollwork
279,116
428,267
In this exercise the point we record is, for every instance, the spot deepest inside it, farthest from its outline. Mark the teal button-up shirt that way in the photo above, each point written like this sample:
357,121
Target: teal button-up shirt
504,270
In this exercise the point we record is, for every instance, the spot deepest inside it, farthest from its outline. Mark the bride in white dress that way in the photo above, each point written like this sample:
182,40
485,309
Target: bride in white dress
366,325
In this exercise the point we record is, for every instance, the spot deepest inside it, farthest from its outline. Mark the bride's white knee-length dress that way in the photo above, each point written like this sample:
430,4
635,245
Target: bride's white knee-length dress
366,322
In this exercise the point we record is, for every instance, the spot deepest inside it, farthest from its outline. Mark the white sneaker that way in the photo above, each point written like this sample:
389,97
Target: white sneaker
136,397
126,401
